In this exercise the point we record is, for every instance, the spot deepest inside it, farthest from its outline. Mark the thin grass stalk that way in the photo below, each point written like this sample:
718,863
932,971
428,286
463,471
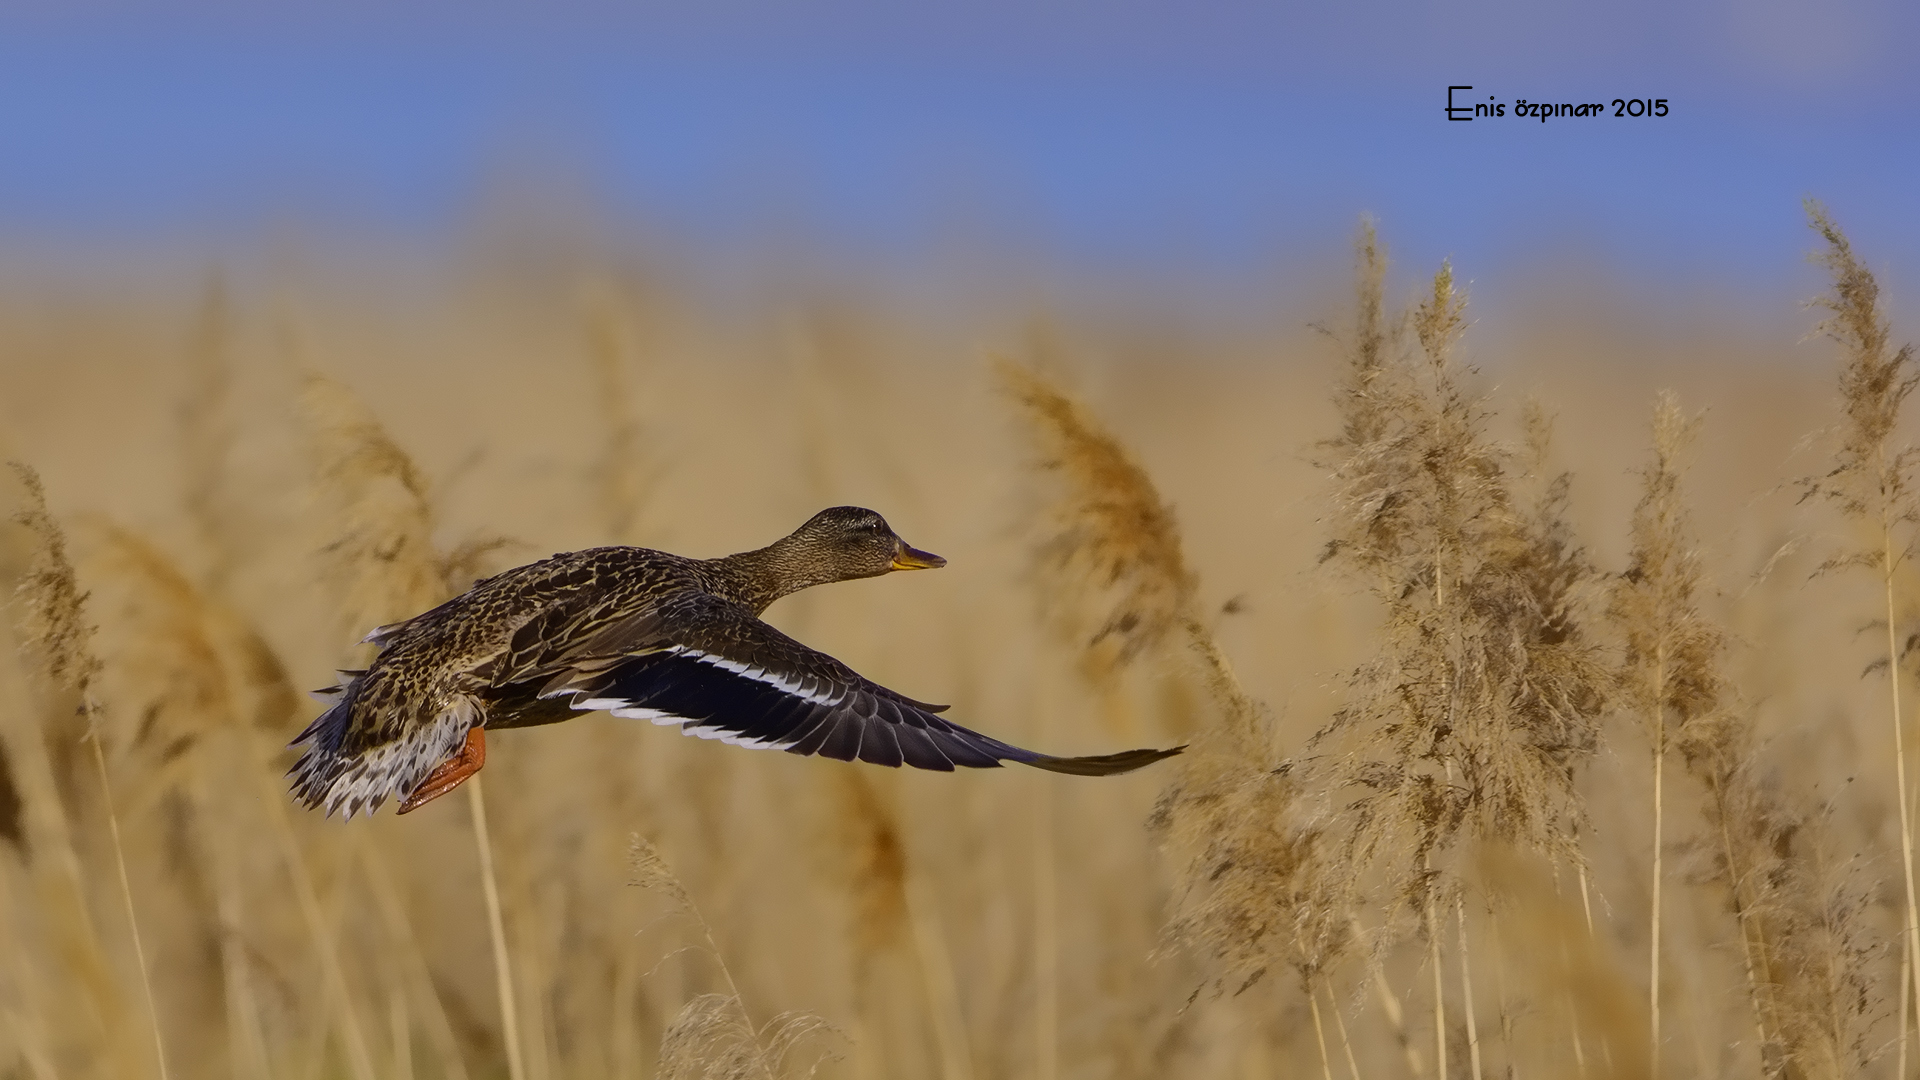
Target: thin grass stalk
1753,944
936,969
1659,804
1500,986
623,1042
1907,981
502,962
1046,943
1573,1022
126,891
359,1056
1907,961
1340,1025
1319,1031
1439,992
1912,937
1466,985
401,1030
393,915
1871,483
1586,899
1389,1003
246,1041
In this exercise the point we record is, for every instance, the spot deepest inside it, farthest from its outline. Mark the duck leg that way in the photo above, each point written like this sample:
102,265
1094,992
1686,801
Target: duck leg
450,773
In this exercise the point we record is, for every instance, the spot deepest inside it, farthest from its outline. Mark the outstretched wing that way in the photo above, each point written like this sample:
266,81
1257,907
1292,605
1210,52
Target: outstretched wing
713,668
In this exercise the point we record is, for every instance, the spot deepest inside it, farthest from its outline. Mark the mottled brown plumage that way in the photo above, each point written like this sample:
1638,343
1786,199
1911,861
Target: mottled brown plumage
639,633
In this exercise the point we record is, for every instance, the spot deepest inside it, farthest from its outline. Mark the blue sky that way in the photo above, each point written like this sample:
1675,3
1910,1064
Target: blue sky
1201,139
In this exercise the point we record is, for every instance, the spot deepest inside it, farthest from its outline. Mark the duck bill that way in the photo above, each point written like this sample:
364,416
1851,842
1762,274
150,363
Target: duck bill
912,558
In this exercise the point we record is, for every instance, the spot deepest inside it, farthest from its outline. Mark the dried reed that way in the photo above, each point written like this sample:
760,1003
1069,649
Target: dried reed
876,873
382,563
1109,542
1669,666
1486,694
1260,881
1870,482
714,1037
385,567
56,626
1802,945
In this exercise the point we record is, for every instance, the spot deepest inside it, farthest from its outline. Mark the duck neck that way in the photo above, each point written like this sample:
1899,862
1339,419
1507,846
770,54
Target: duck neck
757,578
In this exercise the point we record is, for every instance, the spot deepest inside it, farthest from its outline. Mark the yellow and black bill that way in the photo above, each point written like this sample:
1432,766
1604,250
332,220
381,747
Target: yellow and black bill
908,557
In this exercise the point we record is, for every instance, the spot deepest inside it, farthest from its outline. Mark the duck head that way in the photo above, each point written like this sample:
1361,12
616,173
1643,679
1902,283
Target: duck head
846,542
837,544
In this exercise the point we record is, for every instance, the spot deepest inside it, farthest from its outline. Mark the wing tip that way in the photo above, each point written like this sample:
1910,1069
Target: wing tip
1125,761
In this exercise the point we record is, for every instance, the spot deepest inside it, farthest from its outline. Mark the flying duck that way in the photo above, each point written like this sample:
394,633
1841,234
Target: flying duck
643,634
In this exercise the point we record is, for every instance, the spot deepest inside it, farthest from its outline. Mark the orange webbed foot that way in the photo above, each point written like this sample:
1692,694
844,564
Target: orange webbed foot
450,773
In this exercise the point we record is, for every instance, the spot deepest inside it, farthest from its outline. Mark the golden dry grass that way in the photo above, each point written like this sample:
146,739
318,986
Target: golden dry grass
1417,646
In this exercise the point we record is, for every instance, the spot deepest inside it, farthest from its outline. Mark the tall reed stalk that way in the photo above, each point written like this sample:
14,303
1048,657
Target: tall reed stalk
1260,884
714,1037
385,564
497,931
1670,650
57,625
1484,696
1871,482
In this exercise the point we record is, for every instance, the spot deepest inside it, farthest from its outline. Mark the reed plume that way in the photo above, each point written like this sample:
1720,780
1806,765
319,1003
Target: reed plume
876,871
1261,884
200,683
1802,944
385,567
714,1037
1669,669
1870,482
57,631
1486,695
1109,541
381,561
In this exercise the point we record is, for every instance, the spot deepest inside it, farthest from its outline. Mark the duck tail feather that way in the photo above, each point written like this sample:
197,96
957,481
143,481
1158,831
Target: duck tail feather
1102,764
330,726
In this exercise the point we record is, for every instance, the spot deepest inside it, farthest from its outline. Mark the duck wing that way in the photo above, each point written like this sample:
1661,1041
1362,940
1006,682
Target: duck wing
713,668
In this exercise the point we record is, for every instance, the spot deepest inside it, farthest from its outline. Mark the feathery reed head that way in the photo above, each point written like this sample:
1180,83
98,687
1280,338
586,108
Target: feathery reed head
55,617
1266,882
1870,478
1109,534
1672,652
382,559
1485,693
160,667
876,857
713,1037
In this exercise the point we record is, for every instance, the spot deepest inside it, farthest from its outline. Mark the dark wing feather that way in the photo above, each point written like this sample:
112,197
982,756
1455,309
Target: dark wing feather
712,667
